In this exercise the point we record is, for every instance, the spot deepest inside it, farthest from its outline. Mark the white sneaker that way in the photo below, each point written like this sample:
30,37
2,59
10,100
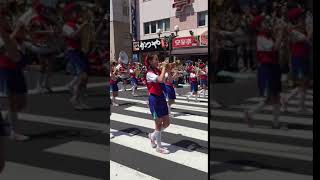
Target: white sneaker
18,137
85,106
111,136
41,90
188,98
162,150
115,104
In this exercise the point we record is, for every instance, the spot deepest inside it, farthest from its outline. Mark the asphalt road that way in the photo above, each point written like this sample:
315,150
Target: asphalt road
240,152
186,138
65,144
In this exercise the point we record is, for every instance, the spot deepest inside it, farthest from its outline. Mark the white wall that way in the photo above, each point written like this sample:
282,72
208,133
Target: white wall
161,9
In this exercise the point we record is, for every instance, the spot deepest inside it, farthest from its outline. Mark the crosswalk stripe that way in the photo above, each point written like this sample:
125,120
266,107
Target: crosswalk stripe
266,148
192,159
240,127
83,150
291,102
21,171
188,117
269,108
173,129
62,122
248,172
191,102
176,106
185,98
262,117
64,88
121,172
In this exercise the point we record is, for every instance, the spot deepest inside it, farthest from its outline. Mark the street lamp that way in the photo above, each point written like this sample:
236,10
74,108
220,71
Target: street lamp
176,29
159,32
168,39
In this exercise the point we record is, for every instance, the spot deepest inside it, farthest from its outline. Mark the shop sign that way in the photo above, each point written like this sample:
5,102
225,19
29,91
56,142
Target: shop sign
135,46
150,45
204,39
183,42
181,4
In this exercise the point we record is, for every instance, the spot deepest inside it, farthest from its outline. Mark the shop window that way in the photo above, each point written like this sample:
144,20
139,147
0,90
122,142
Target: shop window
153,27
203,18
146,28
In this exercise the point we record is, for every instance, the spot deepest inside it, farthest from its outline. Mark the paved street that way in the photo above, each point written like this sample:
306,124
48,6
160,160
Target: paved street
261,152
186,138
65,144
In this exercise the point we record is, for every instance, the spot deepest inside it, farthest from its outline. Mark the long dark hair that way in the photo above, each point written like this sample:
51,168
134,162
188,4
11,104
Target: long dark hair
149,57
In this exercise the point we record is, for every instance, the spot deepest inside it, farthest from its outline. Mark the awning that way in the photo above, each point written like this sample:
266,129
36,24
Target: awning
190,51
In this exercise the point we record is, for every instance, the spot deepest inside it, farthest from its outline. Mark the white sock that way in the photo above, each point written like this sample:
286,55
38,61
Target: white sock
276,113
157,137
76,92
113,100
73,81
40,80
45,82
11,118
134,90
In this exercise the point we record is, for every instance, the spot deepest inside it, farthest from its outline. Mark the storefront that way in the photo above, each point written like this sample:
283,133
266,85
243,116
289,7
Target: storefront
191,47
183,48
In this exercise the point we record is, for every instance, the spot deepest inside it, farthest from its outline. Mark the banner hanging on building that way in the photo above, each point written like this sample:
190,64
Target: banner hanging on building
184,42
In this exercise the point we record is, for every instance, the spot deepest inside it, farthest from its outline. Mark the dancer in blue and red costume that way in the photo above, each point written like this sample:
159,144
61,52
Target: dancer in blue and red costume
78,60
193,81
113,83
133,78
300,39
268,41
157,100
12,80
203,79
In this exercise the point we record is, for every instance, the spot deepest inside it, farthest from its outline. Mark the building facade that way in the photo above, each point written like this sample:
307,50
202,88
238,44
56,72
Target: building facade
191,16
120,35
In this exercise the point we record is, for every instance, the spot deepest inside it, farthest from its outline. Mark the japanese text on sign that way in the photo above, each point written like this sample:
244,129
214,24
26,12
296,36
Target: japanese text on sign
185,42
150,44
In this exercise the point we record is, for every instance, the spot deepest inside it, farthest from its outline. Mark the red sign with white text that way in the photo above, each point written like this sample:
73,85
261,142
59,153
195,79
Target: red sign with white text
183,42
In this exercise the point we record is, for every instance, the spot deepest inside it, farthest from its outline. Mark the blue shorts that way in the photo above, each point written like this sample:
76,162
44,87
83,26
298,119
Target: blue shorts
170,92
78,62
269,79
12,82
114,88
134,81
203,83
194,87
300,68
158,106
